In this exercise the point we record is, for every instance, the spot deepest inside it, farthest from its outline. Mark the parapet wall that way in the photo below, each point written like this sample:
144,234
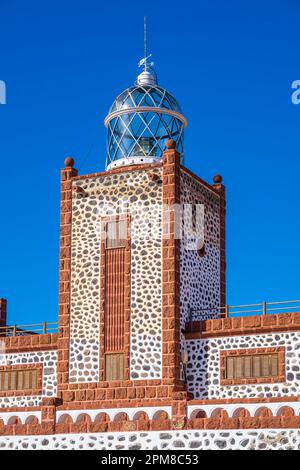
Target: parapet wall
28,343
209,342
255,325
262,439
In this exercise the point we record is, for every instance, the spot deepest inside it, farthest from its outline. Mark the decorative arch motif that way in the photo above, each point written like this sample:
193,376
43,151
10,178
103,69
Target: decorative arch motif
83,418
65,419
241,413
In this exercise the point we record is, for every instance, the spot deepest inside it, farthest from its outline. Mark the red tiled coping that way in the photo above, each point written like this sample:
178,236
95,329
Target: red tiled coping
16,344
256,325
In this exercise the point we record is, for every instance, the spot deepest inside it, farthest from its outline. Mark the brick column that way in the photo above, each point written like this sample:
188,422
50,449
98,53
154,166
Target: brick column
171,270
3,312
179,410
65,274
221,190
48,410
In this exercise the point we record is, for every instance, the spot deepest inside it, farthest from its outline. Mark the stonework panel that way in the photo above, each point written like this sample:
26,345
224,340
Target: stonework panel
48,360
254,439
204,368
200,275
132,192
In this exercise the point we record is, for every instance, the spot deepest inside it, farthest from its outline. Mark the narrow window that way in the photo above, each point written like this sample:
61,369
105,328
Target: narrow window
114,366
114,320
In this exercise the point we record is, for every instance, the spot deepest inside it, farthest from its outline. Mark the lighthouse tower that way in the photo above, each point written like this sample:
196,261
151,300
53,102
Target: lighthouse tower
142,345
138,256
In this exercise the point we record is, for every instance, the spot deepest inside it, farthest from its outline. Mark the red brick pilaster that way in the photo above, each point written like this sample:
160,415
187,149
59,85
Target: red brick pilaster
48,410
65,274
179,410
221,190
171,269
3,312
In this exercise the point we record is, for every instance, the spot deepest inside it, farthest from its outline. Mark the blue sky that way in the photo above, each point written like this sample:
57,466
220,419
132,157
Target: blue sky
230,65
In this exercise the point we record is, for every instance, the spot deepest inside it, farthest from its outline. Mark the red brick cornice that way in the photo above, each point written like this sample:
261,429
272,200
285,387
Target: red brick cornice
125,169
67,176
248,401
241,326
3,312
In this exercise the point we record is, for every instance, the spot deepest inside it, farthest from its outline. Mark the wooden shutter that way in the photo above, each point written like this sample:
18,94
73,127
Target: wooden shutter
248,366
114,366
17,380
256,366
230,368
114,300
13,379
5,381
239,369
252,366
116,234
265,367
274,365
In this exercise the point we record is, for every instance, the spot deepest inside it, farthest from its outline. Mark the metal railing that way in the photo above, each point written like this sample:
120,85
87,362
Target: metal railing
24,330
263,308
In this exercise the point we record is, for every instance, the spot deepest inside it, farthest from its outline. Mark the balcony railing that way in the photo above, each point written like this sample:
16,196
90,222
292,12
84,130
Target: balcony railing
263,308
24,330
227,311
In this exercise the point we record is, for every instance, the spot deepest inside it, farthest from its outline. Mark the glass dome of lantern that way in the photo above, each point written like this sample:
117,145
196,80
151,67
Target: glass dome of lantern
141,120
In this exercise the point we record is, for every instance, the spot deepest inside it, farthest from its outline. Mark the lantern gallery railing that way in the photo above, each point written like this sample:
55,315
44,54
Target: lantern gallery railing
24,330
263,308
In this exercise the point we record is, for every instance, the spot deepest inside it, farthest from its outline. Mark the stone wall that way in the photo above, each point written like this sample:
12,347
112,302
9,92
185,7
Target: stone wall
200,276
261,439
46,361
204,368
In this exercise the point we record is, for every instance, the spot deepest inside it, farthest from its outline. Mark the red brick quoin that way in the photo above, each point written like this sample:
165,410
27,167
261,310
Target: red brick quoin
3,313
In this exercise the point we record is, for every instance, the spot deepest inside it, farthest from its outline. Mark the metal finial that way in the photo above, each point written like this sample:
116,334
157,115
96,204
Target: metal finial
145,42
148,75
144,61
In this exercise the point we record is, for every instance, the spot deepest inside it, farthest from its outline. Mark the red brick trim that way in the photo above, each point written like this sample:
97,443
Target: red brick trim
104,221
3,313
125,169
221,420
20,409
221,190
171,271
111,394
264,422
106,404
280,351
241,326
85,426
31,392
200,180
67,176
237,401
29,343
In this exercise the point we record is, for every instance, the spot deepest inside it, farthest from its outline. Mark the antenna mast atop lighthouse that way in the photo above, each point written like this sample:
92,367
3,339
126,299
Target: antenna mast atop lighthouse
148,76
